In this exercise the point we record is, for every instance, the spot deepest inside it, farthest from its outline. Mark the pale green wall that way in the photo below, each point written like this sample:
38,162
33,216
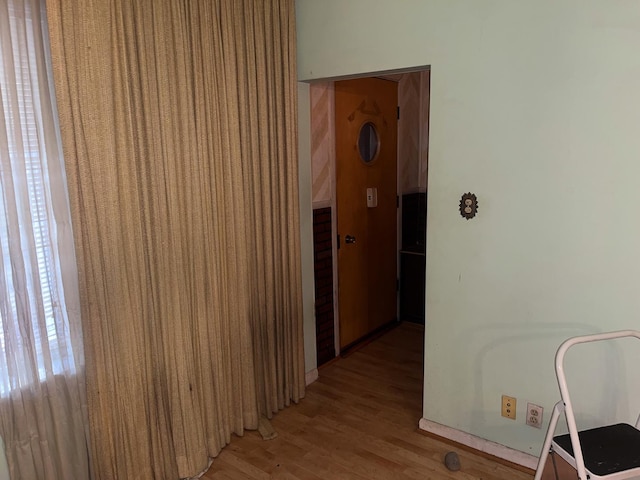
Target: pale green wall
4,468
535,107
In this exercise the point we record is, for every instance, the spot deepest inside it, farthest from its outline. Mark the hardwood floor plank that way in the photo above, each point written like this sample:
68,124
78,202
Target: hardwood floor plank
238,464
357,422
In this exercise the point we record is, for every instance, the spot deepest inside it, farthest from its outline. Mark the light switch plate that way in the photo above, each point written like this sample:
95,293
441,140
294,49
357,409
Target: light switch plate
509,407
372,197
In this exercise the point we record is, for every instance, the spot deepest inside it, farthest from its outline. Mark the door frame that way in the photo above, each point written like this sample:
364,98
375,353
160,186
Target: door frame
389,75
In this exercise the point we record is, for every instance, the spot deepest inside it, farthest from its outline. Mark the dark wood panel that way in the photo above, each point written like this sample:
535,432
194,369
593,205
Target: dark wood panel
323,276
412,287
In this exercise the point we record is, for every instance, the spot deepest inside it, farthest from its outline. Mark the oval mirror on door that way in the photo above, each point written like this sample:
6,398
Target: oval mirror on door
368,142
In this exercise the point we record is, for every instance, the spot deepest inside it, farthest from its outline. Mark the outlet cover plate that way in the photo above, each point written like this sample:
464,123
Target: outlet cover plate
534,415
509,407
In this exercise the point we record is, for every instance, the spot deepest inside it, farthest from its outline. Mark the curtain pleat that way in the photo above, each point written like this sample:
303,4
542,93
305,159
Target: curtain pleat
178,126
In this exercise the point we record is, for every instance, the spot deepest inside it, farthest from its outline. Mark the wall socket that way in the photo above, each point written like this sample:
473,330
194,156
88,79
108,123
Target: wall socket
508,407
534,415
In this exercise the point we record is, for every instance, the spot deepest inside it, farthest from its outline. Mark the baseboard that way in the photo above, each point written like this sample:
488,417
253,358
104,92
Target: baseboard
480,444
311,376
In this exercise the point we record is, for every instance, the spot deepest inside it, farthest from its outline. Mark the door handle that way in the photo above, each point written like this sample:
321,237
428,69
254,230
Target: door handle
349,239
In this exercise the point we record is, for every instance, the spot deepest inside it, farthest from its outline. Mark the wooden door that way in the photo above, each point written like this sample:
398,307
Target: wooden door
366,126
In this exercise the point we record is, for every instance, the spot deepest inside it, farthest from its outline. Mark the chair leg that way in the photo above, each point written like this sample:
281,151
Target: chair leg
546,447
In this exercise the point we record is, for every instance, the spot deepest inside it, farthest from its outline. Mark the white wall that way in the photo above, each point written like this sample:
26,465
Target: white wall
535,107
306,230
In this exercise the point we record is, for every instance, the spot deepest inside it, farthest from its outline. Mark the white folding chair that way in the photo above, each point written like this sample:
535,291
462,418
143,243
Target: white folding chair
609,452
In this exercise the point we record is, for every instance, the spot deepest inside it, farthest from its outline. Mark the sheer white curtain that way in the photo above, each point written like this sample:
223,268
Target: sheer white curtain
42,399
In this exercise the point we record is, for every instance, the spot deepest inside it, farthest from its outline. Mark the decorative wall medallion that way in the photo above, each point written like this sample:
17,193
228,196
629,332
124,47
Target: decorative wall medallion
468,205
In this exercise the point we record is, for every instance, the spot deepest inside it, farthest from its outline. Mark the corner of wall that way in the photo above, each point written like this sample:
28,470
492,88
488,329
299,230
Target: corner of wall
4,468
306,226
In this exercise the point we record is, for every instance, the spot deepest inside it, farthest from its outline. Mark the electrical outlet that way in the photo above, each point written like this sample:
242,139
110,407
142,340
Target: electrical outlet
508,407
534,415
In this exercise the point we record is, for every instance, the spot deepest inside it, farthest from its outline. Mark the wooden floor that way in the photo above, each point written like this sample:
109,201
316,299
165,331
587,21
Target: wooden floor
358,421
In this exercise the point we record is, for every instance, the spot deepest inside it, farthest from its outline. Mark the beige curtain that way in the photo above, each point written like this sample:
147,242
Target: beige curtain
178,126
42,397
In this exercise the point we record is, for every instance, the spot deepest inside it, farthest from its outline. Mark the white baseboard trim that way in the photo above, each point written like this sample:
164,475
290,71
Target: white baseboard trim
477,443
311,376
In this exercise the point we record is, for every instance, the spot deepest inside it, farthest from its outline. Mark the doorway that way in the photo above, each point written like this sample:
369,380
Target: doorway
413,100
